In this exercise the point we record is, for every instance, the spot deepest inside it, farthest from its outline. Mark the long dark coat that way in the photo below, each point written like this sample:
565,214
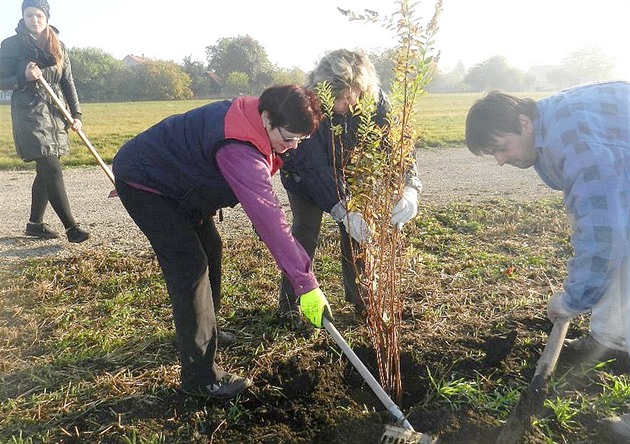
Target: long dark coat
39,128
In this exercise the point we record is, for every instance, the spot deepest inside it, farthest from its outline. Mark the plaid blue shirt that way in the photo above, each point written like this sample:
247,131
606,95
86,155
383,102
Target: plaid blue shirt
583,141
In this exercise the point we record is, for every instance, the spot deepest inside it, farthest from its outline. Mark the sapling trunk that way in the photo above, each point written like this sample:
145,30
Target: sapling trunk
376,174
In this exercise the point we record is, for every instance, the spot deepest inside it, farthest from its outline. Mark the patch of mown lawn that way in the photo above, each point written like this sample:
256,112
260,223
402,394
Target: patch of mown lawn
88,349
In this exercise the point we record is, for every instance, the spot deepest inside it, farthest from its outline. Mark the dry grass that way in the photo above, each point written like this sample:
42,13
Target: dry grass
87,346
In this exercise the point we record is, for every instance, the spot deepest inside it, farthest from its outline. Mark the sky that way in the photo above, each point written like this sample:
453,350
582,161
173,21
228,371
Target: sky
296,34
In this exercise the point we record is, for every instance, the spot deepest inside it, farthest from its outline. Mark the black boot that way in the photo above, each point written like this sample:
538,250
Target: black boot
41,230
77,235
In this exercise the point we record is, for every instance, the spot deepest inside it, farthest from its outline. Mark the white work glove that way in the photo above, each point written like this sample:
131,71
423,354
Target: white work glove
353,222
356,226
557,308
406,208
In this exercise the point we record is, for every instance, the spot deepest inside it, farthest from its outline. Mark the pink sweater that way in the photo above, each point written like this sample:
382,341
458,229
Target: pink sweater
248,174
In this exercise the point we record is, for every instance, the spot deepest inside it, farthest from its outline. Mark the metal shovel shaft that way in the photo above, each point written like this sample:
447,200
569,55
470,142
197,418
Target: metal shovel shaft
391,407
83,137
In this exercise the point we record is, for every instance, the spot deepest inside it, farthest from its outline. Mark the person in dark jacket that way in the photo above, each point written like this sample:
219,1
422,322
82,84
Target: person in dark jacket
176,175
314,179
40,131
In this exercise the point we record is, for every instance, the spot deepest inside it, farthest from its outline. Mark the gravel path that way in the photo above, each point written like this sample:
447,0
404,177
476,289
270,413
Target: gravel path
448,175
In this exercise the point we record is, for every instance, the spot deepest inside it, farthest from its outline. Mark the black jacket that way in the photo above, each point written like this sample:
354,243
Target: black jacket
314,172
39,128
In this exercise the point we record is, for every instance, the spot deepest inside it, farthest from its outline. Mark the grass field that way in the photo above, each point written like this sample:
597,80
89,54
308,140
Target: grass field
88,349
109,125
88,355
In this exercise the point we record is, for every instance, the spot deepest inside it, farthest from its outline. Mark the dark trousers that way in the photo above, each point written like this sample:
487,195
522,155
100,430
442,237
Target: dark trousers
307,221
189,254
48,186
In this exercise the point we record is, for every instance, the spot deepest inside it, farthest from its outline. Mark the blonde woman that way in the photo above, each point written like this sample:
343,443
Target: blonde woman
313,174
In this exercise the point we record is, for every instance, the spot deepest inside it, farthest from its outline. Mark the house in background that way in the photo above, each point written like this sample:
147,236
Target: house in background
215,86
132,60
213,82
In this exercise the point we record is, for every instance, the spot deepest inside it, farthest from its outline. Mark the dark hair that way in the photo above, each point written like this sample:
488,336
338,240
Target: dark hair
494,115
292,107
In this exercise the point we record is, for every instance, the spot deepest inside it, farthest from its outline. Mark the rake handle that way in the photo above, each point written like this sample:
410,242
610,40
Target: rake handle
391,407
81,134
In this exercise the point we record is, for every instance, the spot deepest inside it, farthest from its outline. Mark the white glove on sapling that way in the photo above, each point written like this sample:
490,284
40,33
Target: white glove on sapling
352,221
406,208
356,226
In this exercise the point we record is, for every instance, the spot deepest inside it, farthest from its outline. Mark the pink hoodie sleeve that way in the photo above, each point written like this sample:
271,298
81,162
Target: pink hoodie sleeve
248,174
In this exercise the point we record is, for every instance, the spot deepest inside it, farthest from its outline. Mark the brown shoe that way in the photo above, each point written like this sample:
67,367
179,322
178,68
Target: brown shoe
588,349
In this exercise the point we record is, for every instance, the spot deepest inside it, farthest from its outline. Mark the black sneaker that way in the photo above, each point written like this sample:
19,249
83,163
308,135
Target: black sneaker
225,388
225,338
40,230
77,235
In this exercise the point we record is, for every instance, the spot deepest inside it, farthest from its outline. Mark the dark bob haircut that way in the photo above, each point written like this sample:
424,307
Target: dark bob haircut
292,107
494,115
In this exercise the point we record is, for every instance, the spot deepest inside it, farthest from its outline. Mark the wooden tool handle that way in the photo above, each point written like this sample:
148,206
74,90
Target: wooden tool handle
549,357
70,119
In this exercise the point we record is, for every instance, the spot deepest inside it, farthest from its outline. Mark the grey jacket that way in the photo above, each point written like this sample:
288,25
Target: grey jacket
39,128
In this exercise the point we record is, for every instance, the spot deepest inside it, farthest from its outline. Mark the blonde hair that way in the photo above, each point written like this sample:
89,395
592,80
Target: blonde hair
52,45
344,69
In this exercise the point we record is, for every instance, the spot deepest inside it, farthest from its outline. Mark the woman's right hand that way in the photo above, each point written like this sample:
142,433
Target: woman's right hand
314,306
32,72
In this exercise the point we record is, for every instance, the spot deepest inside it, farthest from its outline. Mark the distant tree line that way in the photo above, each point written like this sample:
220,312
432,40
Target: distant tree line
581,66
240,65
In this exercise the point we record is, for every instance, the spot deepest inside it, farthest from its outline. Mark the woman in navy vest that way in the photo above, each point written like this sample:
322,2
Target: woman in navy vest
172,179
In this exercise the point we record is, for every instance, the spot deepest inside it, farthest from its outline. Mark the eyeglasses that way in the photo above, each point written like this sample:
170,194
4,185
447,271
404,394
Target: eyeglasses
291,139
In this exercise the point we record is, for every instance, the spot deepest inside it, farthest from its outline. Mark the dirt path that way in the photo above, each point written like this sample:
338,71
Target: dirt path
448,175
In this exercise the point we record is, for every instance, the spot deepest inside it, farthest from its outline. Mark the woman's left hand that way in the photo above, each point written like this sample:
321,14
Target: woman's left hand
76,125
